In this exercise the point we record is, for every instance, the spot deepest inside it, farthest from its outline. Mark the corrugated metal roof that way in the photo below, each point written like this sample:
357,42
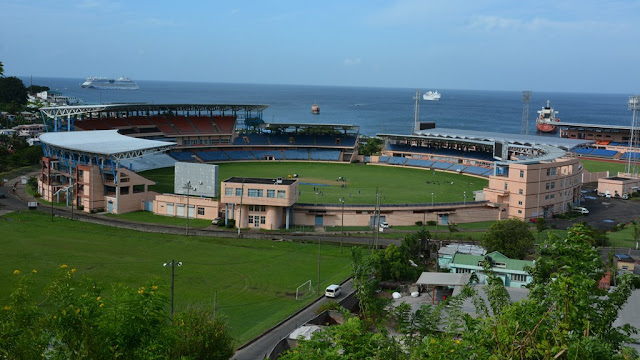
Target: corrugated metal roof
496,257
443,279
102,142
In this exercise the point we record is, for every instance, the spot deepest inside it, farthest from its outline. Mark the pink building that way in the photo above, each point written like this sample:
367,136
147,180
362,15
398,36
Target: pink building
537,189
259,203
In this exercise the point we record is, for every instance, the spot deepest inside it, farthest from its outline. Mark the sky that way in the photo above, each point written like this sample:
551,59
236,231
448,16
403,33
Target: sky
538,45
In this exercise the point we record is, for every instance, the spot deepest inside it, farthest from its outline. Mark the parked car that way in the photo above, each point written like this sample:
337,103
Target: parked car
216,221
581,210
625,196
384,225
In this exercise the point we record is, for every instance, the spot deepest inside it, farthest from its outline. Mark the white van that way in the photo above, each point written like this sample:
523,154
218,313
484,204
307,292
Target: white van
332,291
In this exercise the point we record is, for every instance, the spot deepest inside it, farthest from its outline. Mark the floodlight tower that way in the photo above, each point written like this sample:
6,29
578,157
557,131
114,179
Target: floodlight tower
526,97
634,138
416,112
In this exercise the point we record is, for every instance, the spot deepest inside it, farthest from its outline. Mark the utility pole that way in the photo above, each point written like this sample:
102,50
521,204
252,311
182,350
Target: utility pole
318,265
173,276
239,222
342,199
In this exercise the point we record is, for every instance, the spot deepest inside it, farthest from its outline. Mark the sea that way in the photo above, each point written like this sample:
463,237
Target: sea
376,110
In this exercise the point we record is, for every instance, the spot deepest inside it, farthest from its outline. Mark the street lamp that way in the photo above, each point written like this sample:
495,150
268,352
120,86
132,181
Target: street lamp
188,187
431,199
173,265
465,197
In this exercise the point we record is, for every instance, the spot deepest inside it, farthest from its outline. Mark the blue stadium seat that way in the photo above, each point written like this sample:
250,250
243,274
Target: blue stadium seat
458,167
419,163
383,159
324,155
212,155
239,155
182,155
476,170
261,154
441,165
397,160
296,154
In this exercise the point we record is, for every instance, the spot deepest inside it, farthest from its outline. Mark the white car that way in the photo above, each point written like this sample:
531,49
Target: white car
333,291
384,225
581,210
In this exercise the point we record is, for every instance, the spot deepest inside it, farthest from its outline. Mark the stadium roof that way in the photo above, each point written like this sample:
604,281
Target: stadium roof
104,143
603,128
491,137
57,111
298,125
443,279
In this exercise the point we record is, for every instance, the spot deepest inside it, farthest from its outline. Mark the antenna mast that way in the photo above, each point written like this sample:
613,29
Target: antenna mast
634,138
526,97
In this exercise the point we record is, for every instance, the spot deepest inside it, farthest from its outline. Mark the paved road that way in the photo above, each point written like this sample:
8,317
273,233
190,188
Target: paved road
259,348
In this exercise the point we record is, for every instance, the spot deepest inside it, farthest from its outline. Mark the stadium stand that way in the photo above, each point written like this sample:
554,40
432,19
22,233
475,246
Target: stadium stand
383,159
278,139
632,155
397,160
212,155
298,154
583,151
458,167
203,124
116,122
167,129
266,154
348,141
324,155
226,124
183,125
419,163
182,155
148,162
604,153
441,165
139,121
476,170
240,155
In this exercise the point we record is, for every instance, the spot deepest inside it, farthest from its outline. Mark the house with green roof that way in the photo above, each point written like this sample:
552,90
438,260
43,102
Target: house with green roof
510,271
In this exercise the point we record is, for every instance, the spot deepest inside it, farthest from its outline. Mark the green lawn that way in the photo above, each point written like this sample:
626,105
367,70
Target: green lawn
622,238
255,279
597,166
396,185
149,217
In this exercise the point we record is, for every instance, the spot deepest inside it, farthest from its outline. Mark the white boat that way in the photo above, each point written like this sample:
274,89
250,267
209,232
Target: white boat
431,95
102,83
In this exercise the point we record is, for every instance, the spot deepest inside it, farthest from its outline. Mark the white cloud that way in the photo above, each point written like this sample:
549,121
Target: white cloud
352,61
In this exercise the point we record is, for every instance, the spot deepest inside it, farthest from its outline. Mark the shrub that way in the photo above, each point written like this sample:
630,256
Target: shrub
419,223
231,223
431,223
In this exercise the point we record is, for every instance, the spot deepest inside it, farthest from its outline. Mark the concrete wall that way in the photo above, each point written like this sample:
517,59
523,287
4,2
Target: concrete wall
211,206
202,177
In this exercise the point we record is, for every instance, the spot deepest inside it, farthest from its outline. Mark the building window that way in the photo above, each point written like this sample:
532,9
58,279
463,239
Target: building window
281,194
519,202
239,191
257,208
521,173
250,219
254,193
519,211
263,219
506,186
520,192
200,211
518,277
271,193
548,171
228,191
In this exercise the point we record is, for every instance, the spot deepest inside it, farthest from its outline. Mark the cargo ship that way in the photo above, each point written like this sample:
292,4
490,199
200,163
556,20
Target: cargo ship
545,121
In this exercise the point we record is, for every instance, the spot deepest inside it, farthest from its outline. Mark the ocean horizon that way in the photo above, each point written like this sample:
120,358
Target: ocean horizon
376,110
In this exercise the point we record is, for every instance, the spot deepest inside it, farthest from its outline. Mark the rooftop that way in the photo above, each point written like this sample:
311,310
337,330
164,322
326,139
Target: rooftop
243,180
496,257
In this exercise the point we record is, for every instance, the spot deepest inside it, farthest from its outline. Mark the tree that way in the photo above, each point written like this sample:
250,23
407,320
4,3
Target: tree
635,232
370,146
510,237
541,225
1,69
453,227
12,90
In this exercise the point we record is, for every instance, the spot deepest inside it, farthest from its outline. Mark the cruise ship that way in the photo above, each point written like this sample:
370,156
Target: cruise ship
102,83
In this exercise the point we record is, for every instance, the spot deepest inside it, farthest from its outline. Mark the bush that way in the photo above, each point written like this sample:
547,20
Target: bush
431,223
418,223
231,223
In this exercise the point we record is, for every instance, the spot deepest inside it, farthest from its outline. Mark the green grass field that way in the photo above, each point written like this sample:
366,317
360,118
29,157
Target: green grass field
396,184
255,280
597,166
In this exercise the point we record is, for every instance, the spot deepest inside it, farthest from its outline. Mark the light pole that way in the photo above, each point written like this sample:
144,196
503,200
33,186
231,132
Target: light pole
173,265
465,197
342,227
239,222
188,187
432,199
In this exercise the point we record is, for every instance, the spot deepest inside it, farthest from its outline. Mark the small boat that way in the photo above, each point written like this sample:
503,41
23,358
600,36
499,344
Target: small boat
431,96
315,109
545,121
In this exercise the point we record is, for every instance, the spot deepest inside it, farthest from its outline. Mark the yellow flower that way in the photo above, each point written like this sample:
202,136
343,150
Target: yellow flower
16,272
141,291
63,266
7,308
99,298
451,350
73,271
154,287
34,271
457,341
55,317
101,304
433,341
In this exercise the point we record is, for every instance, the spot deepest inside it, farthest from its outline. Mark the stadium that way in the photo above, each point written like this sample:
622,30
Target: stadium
93,156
